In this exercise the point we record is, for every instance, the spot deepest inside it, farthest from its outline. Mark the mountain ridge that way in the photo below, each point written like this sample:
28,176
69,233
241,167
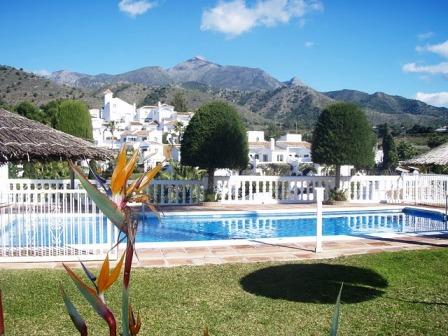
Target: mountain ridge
196,69
291,105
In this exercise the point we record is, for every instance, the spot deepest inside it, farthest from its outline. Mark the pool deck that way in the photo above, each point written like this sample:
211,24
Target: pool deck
262,251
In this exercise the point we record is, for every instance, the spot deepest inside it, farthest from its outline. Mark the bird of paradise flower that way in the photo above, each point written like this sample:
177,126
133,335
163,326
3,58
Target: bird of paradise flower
114,203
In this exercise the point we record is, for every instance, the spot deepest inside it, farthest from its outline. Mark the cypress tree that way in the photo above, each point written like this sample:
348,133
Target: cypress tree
343,136
215,138
73,118
390,154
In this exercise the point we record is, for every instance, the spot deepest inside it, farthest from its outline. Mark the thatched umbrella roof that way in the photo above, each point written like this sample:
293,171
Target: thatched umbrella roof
22,139
437,156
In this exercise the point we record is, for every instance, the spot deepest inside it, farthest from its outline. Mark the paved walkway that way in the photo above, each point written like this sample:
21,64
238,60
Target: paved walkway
261,252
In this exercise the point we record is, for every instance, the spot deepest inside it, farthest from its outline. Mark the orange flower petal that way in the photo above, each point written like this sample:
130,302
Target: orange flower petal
121,163
103,278
115,272
149,176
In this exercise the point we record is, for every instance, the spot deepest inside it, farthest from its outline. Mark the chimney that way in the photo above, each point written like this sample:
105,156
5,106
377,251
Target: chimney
272,144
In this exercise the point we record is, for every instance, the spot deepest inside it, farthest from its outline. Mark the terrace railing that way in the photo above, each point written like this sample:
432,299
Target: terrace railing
396,189
176,192
163,192
270,189
408,189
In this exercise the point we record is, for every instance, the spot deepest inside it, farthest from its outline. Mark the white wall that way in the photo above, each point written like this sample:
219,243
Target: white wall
255,136
117,109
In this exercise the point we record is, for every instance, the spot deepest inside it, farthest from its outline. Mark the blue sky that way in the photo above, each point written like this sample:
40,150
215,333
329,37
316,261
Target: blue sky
398,47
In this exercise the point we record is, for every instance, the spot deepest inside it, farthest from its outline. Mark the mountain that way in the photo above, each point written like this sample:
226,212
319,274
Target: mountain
397,108
196,69
17,85
290,105
295,81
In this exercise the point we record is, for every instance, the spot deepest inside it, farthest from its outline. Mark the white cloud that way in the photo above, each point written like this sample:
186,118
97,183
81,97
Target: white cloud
425,36
440,49
441,68
236,17
309,44
436,98
134,8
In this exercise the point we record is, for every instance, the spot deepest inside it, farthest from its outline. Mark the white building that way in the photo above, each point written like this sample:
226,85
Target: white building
121,123
288,149
116,109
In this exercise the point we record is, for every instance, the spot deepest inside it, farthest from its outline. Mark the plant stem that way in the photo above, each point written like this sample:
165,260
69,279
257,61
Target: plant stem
2,320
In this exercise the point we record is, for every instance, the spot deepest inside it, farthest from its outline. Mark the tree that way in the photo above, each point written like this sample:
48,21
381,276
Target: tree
73,118
179,102
273,131
436,140
343,136
30,111
406,150
51,110
390,155
215,138
111,126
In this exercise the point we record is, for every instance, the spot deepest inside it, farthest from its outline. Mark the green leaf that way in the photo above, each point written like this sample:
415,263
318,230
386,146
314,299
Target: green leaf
336,314
78,321
108,207
90,295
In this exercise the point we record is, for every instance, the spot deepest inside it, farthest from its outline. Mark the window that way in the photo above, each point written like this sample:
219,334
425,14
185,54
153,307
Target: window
265,158
257,157
280,158
306,155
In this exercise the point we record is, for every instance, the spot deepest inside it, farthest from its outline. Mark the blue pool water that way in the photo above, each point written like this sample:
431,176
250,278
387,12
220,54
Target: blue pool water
66,230
252,226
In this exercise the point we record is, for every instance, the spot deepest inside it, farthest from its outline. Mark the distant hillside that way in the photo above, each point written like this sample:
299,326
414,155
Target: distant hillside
290,105
196,69
382,106
17,85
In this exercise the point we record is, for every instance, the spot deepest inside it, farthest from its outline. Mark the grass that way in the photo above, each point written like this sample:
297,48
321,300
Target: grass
397,293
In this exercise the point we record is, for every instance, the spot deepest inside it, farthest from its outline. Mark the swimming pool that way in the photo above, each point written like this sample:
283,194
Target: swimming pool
66,229
282,225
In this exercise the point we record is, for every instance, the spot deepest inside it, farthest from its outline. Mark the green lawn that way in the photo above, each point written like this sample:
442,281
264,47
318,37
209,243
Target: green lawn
398,293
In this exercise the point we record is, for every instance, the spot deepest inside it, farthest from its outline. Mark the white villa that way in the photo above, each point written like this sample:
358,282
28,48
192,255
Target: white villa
288,149
119,122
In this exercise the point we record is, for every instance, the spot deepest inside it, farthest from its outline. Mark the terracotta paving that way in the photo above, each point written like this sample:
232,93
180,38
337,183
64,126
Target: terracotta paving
259,252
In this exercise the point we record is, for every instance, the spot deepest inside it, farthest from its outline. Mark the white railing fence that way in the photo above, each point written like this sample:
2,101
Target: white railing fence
409,189
40,184
47,221
176,192
270,189
397,189
163,192
53,225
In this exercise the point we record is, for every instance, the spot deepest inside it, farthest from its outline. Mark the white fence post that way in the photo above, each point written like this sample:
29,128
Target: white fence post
319,193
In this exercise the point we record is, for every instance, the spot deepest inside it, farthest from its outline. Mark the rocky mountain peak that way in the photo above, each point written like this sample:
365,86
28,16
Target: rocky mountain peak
295,81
